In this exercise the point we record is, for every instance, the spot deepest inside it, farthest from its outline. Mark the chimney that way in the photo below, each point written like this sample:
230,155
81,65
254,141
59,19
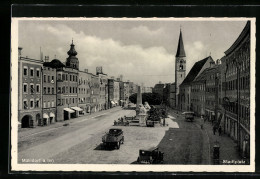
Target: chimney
46,58
86,70
20,52
99,70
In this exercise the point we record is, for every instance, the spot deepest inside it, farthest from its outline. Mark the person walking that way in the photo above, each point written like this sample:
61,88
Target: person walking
214,129
219,130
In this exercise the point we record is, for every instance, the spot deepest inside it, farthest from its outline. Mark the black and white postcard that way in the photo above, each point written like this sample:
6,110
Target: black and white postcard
133,94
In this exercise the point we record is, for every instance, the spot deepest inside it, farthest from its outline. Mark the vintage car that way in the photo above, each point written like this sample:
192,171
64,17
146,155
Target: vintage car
189,116
121,122
114,138
150,156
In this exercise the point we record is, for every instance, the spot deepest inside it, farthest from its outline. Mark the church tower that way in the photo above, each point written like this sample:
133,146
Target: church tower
180,67
72,61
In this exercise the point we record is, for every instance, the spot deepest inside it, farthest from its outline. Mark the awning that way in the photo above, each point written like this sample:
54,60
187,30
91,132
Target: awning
45,115
52,115
113,102
77,108
68,110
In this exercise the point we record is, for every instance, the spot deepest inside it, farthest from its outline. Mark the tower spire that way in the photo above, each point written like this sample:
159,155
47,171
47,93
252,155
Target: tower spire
180,49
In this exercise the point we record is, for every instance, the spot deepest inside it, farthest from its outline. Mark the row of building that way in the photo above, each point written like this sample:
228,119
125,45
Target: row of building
51,91
218,90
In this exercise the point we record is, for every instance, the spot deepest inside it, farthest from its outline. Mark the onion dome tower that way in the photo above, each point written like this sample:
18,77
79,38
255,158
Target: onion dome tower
72,61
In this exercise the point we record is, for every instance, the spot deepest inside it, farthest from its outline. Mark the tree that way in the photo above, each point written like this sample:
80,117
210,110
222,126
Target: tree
151,98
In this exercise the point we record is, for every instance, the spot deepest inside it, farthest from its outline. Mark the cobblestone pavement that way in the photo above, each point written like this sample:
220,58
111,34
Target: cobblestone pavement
228,148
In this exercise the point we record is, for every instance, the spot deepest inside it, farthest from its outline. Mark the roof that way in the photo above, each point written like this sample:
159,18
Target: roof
159,86
55,63
150,148
240,38
180,49
195,70
204,74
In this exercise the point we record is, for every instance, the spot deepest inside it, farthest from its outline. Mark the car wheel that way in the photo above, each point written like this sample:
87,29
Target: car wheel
138,160
118,145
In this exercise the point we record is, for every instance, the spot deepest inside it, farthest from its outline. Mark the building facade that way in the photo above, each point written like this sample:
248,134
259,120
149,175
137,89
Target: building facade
30,91
48,95
237,91
185,87
84,91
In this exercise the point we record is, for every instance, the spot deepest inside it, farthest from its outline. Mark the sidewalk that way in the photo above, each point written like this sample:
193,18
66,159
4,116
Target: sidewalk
38,129
228,148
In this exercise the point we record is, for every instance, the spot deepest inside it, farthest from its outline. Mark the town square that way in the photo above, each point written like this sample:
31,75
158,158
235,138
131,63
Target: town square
165,92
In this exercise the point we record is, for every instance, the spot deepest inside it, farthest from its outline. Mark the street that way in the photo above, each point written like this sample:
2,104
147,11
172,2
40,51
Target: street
80,142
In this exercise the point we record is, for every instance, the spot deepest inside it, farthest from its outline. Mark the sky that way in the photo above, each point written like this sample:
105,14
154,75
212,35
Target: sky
143,51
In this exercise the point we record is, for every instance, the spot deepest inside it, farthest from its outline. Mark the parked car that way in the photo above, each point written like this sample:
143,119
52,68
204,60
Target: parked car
150,156
114,138
189,115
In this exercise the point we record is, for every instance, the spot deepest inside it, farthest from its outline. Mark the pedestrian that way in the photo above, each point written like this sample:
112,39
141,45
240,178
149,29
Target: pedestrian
214,129
219,130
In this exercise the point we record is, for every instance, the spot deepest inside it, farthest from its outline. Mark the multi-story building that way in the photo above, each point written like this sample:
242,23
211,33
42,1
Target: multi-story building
237,90
211,93
103,97
67,86
84,91
95,93
185,87
48,94
113,92
166,94
158,88
172,100
30,93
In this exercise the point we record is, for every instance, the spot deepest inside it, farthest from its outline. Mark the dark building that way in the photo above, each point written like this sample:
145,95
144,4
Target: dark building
236,88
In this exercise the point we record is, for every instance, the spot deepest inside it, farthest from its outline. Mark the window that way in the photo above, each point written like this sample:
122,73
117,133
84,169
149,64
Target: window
25,71
38,88
25,104
25,88
62,101
70,89
72,100
73,89
63,77
59,104
77,79
49,104
67,101
31,103
32,88
44,90
52,78
66,77
52,104
70,78
63,89
38,72
31,72
52,90
73,78
44,78
37,103
59,76
49,90
49,79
